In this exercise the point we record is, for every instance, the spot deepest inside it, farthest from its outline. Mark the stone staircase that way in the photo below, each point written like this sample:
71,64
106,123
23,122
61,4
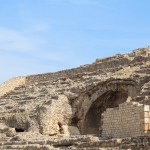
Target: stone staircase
74,142
80,142
69,143
11,84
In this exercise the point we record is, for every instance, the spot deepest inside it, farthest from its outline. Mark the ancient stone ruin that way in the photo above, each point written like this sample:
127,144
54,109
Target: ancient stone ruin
130,119
100,105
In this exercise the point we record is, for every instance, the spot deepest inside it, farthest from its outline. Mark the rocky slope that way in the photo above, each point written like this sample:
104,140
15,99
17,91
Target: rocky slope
59,103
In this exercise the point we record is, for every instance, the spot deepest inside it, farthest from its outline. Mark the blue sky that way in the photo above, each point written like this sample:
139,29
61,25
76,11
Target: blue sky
38,36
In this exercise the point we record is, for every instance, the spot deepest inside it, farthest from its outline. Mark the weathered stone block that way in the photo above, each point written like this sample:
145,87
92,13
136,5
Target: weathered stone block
70,130
129,121
146,108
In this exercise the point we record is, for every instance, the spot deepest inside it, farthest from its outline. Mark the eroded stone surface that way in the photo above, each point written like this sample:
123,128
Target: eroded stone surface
49,104
130,119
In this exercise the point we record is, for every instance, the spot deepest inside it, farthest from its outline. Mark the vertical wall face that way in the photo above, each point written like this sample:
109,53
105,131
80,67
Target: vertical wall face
52,118
107,95
128,120
92,122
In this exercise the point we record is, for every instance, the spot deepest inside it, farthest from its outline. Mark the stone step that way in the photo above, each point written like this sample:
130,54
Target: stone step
14,147
3,103
48,147
19,89
96,145
27,147
66,143
20,97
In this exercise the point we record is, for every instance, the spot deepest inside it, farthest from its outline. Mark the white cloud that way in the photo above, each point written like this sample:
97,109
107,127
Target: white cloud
12,40
18,66
40,26
33,23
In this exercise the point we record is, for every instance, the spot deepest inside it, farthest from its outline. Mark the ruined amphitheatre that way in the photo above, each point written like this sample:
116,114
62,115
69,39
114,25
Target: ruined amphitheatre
103,105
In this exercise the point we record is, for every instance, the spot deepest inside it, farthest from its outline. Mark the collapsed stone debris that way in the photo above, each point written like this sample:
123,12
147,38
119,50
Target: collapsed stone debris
100,105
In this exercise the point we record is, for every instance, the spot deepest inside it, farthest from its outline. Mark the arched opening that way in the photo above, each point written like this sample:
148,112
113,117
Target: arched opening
19,130
92,123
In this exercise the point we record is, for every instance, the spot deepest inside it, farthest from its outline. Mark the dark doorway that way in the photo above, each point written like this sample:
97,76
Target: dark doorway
19,130
92,123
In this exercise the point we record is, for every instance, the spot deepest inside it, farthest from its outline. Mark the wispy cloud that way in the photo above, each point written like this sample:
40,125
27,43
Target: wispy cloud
16,66
40,26
79,2
83,2
28,45
12,40
33,23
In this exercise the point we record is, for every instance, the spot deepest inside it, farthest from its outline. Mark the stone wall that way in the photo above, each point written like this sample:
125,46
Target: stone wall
130,119
65,101
54,115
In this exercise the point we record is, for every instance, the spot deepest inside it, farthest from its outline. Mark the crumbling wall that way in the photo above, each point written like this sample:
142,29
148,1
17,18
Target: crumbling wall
19,121
75,92
90,105
53,116
130,119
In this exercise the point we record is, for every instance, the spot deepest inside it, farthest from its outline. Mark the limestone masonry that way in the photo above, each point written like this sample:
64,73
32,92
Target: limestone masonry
128,120
103,105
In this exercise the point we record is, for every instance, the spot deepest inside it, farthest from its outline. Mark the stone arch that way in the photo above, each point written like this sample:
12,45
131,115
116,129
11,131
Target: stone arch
95,101
92,122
